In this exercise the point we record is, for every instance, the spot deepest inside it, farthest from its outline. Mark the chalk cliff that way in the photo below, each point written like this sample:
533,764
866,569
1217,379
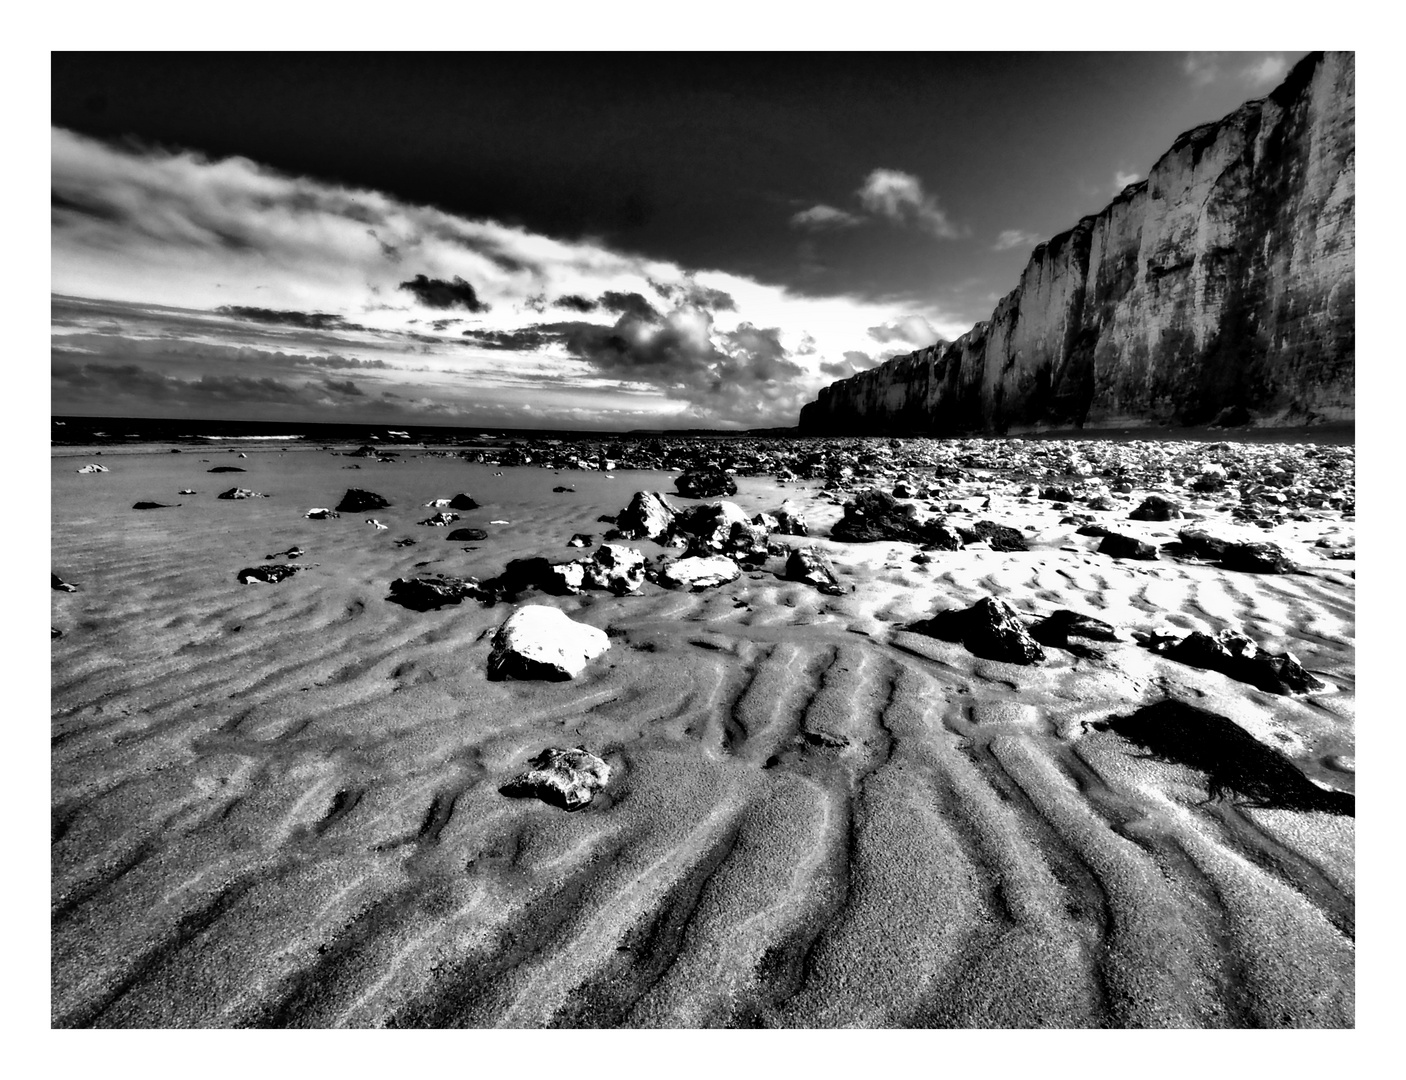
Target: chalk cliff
1222,284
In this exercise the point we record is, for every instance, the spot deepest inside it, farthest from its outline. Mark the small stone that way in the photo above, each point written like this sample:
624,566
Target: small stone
568,779
240,493
321,513
469,534
427,593
1120,546
357,501
268,575
813,566
1156,508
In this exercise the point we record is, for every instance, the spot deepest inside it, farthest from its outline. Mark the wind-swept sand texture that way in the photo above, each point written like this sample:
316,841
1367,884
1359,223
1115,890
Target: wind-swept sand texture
279,805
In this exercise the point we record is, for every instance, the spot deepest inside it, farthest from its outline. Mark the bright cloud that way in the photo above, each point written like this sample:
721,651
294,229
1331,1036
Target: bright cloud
821,216
1014,238
223,277
1122,179
1266,73
899,197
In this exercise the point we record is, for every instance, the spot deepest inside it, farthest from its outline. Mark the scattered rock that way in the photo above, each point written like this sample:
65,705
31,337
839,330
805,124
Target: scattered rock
467,534
876,515
568,779
616,568
268,575
428,592
1121,546
999,537
699,572
1156,508
357,501
440,520
813,566
293,552
379,525
580,540
240,493
563,490
705,484
708,526
1236,655
543,643
990,628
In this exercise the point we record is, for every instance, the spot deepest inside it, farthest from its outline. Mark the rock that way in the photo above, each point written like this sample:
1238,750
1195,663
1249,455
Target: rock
790,521
1263,557
543,643
469,534
1236,655
240,493
945,538
1120,546
990,628
293,552
561,490
58,583
708,526
565,578
1072,342
1101,502
876,515
813,566
268,575
1057,494
1156,508
440,520
1059,626
649,516
580,540
144,505
463,501
321,513
903,490
187,491
435,504
568,779
705,484
699,572
357,501
379,525
93,468
404,542
999,537
1092,530
428,592
747,542
225,468
616,568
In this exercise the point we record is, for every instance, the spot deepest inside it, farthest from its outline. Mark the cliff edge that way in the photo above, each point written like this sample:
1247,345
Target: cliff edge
1220,288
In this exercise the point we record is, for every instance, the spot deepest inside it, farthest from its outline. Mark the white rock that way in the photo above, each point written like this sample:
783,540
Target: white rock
700,572
538,642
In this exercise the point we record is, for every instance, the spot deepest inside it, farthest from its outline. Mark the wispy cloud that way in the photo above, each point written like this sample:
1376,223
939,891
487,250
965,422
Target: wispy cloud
821,216
1014,238
1202,68
899,197
1266,72
1261,72
1122,179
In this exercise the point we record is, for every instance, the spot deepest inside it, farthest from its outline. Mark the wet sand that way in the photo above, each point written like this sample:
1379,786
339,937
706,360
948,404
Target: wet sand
278,805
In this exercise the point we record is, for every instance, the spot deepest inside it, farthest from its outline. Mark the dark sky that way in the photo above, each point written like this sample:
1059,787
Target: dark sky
913,182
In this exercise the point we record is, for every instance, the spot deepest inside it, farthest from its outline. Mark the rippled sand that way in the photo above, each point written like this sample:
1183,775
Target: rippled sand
279,805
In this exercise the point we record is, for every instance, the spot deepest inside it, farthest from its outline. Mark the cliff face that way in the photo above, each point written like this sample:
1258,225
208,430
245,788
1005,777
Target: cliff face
1223,280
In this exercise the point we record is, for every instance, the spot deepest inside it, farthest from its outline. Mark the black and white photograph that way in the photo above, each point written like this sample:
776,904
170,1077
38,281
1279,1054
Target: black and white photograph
672,539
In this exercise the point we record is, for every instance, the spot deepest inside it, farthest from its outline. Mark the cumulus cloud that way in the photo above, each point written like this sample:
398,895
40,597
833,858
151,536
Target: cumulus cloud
435,293
1014,238
821,216
899,197
576,303
633,304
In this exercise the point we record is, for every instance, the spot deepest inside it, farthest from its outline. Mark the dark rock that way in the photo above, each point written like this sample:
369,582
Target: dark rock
1234,761
1101,502
945,538
990,628
468,534
463,501
240,493
440,520
1257,558
580,540
1237,656
431,592
813,566
997,537
560,490
356,501
225,468
1156,508
143,505
790,521
1057,494
705,484
708,527
294,552
567,779
876,515
269,575
1059,626
1092,530
404,541
1120,546
58,583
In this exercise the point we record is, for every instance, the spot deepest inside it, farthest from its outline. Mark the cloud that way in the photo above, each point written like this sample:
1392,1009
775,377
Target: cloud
912,329
821,216
899,197
1266,72
861,361
307,320
346,386
618,303
435,293
576,303
1014,238
1202,68
528,339
1122,179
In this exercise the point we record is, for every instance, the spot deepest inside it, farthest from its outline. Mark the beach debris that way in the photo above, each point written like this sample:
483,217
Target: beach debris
267,575
321,513
537,642
580,540
813,566
699,572
379,524
58,583
1122,546
93,468
648,517
705,483
1233,761
467,534
404,541
440,520
1236,655
615,568
187,491
1156,508
225,468
463,501
499,521
240,493
568,779
428,592
144,504
358,501
294,552
435,504
990,628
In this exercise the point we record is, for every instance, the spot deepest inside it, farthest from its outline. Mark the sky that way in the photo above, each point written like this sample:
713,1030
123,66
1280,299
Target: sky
595,241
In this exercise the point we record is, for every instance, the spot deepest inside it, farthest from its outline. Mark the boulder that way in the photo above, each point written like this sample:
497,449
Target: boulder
240,493
648,517
1208,543
271,574
145,505
321,513
813,566
1057,494
1121,546
221,468
440,520
568,779
429,592
998,537
616,568
705,484
95,468
468,534
699,572
747,542
538,642
463,501
1059,626
876,515
990,628
708,526
1257,557
357,501
1236,655
1156,508
790,521
945,538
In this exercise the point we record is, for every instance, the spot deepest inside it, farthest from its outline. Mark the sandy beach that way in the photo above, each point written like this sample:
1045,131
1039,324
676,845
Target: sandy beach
279,804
